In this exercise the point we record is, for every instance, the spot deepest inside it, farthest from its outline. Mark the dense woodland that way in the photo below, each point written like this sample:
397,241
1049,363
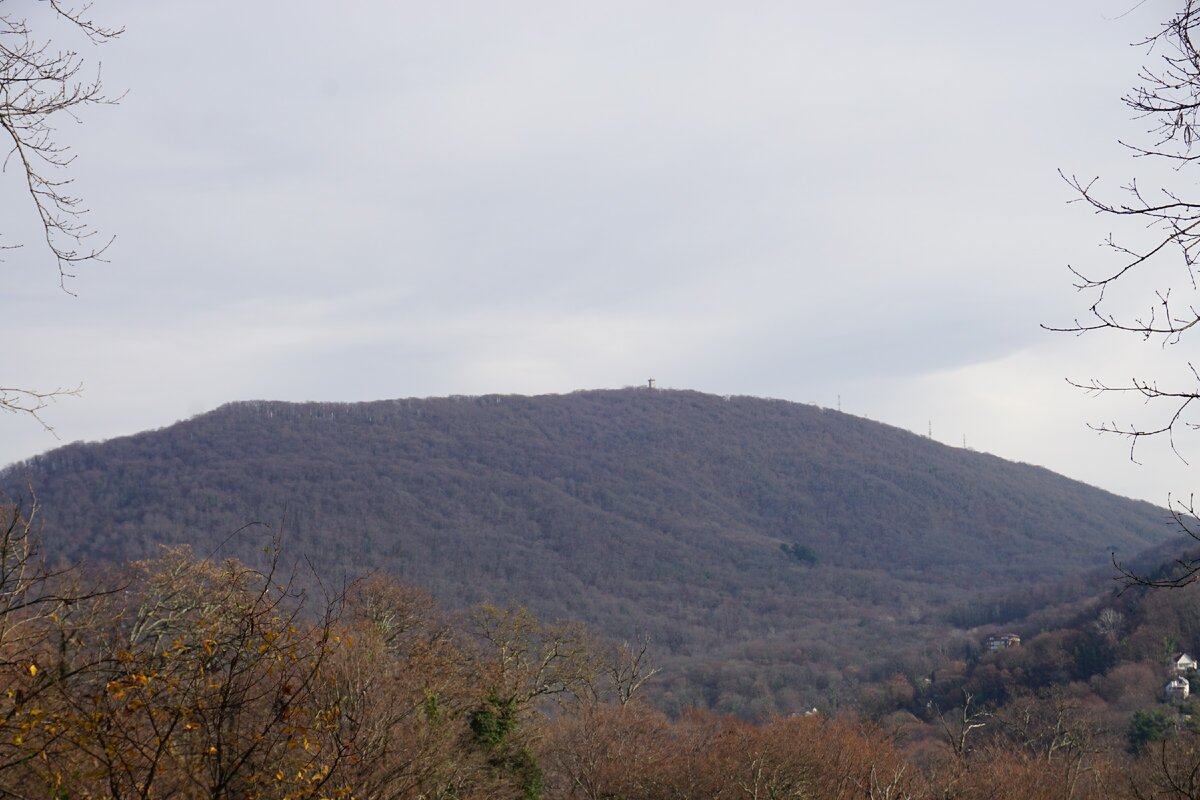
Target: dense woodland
778,555
185,677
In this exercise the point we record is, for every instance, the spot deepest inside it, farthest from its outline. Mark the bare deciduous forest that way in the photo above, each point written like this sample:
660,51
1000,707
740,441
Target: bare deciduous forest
777,554
180,676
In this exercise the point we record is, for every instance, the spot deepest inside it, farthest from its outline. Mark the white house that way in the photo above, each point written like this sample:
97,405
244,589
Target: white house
1178,689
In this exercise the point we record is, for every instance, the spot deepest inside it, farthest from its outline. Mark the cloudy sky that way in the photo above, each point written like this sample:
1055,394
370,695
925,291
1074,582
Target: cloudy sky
824,202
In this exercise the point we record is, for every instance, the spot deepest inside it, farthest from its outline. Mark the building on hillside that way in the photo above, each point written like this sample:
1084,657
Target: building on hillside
1177,689
1001,641
1182,663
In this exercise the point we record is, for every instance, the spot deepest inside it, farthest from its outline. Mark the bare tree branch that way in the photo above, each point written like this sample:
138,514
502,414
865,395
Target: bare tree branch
1168,96
31,402
38,84
41,84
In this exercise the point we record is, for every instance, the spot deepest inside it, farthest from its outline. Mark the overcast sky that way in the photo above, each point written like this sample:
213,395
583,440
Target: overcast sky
822,202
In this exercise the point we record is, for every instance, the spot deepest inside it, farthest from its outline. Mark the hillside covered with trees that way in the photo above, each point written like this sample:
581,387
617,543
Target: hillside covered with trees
180,676
775,553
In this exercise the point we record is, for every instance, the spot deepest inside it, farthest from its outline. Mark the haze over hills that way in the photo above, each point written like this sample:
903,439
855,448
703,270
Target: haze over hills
774,551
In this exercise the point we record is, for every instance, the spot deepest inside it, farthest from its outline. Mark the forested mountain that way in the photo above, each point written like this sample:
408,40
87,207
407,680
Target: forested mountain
775,552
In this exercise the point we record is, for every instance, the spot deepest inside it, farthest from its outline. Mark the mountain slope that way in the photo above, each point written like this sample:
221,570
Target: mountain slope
735,530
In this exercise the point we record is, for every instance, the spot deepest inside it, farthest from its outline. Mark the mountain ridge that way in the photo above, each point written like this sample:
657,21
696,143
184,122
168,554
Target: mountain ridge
729,528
